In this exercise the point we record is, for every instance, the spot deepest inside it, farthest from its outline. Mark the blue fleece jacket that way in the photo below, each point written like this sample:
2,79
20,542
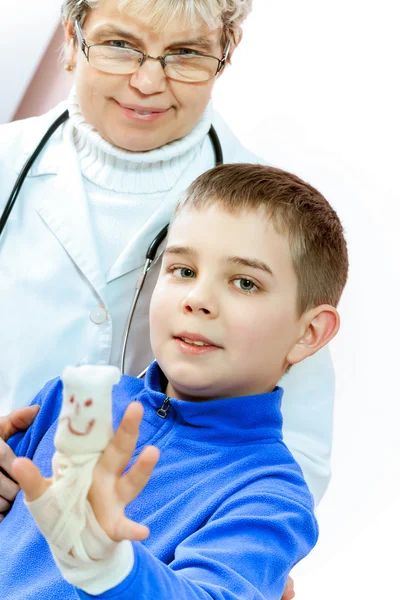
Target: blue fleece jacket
227,506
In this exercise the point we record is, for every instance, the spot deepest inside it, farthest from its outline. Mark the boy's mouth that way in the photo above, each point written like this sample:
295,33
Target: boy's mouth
194,343
195,340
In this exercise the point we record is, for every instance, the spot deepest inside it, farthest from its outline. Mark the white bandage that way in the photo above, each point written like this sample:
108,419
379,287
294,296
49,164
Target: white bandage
85,555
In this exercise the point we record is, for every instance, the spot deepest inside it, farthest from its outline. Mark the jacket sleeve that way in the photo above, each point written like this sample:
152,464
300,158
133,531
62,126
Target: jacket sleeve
246,550
308,418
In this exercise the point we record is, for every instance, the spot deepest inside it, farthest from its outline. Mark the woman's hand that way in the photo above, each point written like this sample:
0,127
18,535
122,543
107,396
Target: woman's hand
289,594
19,420
110,491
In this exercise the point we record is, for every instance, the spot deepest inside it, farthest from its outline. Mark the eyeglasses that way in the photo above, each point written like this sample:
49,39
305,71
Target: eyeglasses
188,67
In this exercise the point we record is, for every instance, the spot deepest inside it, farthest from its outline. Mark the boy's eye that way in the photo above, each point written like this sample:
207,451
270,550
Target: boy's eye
183,272
245,285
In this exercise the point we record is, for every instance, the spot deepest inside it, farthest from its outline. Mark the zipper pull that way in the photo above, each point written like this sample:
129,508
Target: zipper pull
163,410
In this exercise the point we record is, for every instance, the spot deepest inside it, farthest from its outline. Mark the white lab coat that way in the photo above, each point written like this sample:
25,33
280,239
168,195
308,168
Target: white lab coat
58,308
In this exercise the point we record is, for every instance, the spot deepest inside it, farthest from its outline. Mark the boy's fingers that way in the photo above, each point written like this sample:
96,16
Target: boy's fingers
29,478
120,449
126,529
19,420
133,482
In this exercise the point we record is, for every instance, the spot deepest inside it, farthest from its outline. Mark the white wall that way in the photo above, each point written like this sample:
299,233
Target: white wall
321,97
314,89
26,29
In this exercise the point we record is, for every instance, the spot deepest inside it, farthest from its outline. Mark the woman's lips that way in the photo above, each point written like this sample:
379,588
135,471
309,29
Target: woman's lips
141,113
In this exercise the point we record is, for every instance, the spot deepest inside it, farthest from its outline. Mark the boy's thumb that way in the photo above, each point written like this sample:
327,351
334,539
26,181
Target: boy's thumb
19,420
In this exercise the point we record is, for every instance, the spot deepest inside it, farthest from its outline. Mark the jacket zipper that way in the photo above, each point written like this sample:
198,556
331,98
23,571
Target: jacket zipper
163,410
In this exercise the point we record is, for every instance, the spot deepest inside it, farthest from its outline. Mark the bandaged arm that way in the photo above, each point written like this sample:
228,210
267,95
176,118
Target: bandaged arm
85,555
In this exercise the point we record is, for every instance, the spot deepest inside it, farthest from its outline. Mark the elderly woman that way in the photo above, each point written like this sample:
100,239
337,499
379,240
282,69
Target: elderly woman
102,188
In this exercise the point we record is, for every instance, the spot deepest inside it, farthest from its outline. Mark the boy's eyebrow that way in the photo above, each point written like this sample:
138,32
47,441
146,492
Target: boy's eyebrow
182,250
254,263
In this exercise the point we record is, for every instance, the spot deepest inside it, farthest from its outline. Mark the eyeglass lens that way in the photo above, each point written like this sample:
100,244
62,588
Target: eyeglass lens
124,61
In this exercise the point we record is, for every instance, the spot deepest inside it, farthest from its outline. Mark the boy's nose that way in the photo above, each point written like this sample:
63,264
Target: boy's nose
77,409
200,300
189,308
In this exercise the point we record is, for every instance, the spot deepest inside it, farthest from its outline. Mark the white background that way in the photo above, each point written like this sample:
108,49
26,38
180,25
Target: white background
314,88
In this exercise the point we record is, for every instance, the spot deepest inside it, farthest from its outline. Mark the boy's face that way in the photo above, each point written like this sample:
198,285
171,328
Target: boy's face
227,281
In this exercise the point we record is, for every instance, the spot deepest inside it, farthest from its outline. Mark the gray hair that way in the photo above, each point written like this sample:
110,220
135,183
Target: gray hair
158,14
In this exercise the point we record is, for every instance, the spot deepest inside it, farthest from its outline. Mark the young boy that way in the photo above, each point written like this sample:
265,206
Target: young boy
254,267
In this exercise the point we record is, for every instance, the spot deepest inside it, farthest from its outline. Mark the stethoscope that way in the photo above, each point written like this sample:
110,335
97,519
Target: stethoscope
152,249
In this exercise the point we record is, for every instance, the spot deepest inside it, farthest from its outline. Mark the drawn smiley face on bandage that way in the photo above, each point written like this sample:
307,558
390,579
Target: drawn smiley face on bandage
79,417
85,421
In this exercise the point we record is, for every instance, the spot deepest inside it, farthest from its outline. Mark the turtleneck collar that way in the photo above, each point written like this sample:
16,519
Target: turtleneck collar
238,419
136,172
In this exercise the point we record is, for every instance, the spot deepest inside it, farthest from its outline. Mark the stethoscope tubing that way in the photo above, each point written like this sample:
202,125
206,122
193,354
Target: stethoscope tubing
26,168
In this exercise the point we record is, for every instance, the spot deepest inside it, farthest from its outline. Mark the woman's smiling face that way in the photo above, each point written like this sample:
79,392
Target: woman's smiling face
144,110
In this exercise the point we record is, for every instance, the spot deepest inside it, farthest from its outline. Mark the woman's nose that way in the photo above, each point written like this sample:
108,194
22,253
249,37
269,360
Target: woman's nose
149,78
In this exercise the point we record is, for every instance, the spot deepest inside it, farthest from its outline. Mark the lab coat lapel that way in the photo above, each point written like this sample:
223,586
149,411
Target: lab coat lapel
65,211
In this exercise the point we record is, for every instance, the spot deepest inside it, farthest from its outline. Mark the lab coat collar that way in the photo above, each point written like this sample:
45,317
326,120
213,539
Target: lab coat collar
47,162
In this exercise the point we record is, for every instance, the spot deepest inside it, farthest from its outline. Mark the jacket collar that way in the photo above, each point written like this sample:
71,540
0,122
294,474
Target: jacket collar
242,419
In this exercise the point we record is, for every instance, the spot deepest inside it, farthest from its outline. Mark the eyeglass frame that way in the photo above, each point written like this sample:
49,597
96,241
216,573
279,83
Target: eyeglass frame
221,61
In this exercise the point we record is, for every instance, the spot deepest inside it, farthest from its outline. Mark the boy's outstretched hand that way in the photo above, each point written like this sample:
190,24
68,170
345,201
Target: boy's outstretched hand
110,491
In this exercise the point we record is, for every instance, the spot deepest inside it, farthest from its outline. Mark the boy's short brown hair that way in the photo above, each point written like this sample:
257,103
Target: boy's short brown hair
296,209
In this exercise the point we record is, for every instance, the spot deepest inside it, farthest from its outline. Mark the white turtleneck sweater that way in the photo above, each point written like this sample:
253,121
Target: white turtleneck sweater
124,188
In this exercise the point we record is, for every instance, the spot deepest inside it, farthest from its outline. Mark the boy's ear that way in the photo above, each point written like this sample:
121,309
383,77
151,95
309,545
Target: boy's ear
321,324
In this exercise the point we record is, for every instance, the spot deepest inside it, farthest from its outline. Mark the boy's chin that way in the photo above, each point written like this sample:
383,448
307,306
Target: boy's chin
182,390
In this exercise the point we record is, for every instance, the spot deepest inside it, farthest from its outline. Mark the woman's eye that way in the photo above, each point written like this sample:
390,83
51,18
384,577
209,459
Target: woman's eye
186,51
183,272
245,285
119,44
